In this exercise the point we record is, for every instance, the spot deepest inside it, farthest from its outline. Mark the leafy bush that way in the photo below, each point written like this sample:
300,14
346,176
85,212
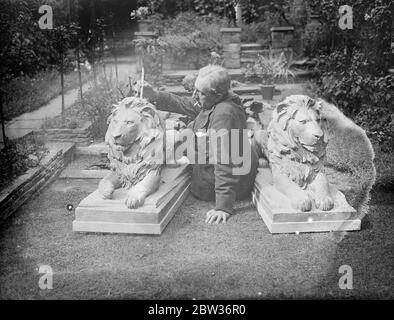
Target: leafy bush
97,102
187,37
191,36
152,52
371,33
352,65
366,98
379,125
26,49
20,155
260,18
256,32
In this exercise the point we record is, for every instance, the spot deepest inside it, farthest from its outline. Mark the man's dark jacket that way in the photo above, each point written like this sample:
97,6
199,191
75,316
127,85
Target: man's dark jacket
215,181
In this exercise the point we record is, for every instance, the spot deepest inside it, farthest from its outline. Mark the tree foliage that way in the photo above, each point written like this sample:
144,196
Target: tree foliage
353,65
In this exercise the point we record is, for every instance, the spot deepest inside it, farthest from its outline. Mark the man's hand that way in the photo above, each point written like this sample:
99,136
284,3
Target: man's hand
216,216
148,93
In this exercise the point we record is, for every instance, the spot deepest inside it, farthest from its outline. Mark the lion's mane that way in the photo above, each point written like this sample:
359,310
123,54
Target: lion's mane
147,151
285,153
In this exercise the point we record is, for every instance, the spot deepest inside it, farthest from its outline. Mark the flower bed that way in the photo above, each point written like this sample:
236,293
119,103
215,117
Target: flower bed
83,122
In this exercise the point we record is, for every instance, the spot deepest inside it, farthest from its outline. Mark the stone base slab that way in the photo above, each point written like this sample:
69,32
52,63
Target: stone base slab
280,217
112,216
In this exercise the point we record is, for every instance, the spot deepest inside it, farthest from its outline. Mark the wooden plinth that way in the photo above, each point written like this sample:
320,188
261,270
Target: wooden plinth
280,217
112,216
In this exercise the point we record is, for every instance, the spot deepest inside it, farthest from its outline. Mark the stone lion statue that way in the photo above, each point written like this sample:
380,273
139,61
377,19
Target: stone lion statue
135,137
296,147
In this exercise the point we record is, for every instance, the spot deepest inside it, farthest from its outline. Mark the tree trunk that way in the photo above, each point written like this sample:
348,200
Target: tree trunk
102,54
93,32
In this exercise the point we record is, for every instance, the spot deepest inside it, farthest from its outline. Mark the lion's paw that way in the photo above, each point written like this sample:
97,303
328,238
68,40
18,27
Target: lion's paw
134,201
303,202
324,203
106,189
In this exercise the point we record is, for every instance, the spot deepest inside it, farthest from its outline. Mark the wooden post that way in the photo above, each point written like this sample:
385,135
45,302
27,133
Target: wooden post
2,120
114,52
77,52
102,53
93,33
79,73
62,80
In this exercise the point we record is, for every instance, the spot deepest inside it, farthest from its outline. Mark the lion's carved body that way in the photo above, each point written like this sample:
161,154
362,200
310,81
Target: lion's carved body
135,137
296,147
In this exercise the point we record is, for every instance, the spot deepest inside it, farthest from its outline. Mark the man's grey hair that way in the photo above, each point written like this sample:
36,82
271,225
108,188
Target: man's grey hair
215,78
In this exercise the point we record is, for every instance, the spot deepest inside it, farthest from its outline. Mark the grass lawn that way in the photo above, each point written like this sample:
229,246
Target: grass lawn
384,163
239,259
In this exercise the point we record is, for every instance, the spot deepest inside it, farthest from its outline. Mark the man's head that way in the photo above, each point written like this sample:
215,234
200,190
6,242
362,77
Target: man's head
212,86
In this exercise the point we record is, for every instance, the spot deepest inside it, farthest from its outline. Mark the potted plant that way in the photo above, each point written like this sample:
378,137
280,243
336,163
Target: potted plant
262,71
266,71
142,14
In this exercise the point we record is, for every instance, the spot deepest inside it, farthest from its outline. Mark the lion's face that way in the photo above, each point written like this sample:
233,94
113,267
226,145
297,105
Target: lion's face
132,120
306,128
124,128
299,116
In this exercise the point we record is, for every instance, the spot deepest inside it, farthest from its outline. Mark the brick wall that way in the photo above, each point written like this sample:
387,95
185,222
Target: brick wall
231,41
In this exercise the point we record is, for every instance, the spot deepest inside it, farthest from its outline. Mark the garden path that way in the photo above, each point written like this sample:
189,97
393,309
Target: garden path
30,121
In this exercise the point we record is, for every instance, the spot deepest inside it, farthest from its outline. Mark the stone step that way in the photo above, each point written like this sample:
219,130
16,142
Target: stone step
83,174
180,90
98,149
177,76
253,53
264,52
251,46
246,61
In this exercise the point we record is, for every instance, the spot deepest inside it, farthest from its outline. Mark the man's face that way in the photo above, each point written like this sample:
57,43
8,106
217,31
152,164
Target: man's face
204,101
205,97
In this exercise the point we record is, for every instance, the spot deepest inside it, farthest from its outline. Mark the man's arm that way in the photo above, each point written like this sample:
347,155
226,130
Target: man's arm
166,101
225,181
170,102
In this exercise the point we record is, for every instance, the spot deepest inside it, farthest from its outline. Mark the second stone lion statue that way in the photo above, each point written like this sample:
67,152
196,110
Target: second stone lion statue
296,146
135,137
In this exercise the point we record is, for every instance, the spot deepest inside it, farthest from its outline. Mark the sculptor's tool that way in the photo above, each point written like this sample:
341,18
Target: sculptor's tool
142,82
